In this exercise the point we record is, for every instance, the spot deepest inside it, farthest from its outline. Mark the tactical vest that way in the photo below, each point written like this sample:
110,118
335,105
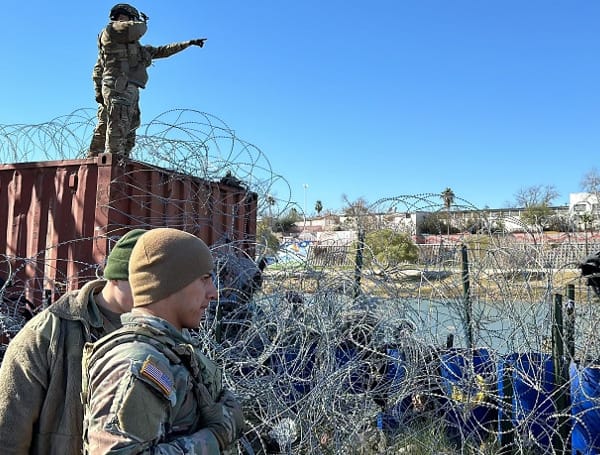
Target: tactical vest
123,59
177,353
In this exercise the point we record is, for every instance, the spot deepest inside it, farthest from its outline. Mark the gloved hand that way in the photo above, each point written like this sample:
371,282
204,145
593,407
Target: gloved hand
197,42
223,418
234,410
99,98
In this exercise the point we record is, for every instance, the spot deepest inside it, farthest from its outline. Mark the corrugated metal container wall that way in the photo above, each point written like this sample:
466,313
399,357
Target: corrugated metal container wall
60,218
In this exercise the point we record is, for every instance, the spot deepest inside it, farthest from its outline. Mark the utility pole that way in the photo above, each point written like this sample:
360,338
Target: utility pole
305,186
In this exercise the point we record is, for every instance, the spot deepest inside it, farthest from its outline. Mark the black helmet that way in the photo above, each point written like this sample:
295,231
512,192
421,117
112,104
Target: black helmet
124,8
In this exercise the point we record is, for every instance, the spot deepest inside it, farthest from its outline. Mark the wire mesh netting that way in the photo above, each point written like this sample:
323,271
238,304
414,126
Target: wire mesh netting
484,343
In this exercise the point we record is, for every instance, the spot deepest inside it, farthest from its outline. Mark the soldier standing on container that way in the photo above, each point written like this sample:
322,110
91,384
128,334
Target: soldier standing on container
40,376
147,387
119,73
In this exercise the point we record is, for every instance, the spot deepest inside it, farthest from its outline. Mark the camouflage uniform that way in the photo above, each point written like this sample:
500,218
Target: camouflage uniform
119,73
148,389
40,377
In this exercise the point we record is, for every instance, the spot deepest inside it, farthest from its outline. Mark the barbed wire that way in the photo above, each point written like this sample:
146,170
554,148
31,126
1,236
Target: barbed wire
320,367
330,355
184,141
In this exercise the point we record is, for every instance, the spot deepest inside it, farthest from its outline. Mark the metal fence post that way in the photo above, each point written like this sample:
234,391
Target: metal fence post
467,297
560,440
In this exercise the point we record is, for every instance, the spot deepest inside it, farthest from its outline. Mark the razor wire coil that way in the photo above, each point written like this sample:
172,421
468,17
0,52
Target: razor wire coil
321,368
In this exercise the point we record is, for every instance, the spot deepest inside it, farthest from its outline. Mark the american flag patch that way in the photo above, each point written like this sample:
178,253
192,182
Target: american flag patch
157,376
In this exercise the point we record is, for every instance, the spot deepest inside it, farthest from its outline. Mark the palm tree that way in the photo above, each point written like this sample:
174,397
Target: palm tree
318,207
448,198
270,202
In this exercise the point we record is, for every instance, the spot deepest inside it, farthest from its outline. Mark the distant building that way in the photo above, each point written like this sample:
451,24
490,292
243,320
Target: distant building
507,219
583,203
323,223
584,210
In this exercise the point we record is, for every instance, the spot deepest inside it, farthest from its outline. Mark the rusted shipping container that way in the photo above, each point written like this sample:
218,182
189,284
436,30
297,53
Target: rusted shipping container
59,219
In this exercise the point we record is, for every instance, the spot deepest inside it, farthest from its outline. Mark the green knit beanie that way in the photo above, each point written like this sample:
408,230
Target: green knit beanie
164,261
117,263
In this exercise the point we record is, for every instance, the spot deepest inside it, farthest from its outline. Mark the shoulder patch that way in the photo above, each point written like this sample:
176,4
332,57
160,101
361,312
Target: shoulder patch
151,371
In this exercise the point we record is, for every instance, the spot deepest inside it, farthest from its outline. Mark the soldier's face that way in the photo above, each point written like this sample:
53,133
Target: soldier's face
193,301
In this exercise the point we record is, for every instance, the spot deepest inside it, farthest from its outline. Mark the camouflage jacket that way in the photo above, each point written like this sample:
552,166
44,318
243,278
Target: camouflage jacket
139,391
121,57
40,377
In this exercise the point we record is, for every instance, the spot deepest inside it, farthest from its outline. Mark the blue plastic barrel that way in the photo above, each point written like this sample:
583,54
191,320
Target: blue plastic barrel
585,409
295,367
468,380
394,375
395,370
355,368
530,407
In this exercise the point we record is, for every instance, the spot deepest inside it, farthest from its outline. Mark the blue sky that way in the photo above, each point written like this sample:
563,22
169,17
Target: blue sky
368,99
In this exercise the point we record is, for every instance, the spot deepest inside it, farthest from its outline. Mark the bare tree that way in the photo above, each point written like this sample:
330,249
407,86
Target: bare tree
536,195
357,214
591,181
536,201
591,184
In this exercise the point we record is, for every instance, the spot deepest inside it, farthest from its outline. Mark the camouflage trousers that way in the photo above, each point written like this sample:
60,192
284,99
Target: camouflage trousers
118,120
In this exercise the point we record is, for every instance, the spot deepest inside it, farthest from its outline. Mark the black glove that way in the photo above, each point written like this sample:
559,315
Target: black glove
99,98
197,42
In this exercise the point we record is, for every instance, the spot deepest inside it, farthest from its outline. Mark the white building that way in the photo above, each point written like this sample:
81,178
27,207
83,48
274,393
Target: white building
584,210
580,203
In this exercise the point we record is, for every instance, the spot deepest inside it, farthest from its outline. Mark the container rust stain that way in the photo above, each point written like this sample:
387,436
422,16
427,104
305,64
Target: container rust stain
60,218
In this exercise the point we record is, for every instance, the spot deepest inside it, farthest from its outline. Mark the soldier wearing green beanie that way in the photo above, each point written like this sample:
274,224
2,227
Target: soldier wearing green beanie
147,387
40,375
117,264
